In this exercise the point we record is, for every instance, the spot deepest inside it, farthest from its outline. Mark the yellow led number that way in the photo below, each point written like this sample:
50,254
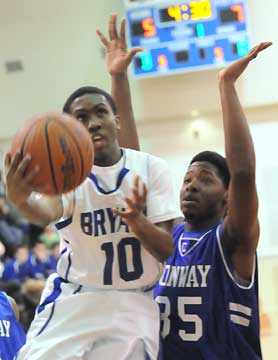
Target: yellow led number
200,9
175,12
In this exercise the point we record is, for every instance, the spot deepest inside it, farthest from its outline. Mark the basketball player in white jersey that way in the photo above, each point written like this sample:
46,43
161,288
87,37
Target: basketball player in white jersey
115,232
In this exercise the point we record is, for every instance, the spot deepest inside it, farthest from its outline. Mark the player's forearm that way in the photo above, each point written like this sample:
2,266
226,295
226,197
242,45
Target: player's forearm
239,146
155,240
40,212
127,136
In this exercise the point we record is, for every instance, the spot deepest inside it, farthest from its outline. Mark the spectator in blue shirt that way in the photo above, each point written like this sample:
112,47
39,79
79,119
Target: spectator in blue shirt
38,261
18,267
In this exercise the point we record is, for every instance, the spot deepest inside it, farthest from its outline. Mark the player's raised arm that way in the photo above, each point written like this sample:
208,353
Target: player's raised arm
241,227
19,189
118,59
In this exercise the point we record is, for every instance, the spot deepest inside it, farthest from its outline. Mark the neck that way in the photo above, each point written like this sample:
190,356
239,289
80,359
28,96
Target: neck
108,158
195,225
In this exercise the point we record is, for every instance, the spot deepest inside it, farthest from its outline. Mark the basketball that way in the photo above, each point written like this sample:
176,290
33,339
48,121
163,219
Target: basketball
60,146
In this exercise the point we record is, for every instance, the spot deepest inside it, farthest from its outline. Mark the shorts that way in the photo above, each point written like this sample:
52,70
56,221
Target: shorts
74,323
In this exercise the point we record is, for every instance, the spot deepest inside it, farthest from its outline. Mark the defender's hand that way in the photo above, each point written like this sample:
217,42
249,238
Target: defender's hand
118,57
233,71
136,204
19,180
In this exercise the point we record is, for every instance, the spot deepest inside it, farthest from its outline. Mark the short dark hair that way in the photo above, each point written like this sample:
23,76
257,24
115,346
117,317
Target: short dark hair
218,161
89,90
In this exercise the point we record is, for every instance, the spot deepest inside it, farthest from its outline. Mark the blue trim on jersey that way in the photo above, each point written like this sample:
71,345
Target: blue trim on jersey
121,176
68,268
54,295
63,251
78,289
52,298
147,357
60,225
48,320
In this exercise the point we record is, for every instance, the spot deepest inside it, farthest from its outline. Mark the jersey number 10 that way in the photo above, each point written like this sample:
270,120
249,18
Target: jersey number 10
121,250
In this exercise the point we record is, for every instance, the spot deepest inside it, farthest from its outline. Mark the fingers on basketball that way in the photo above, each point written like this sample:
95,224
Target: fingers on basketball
59,146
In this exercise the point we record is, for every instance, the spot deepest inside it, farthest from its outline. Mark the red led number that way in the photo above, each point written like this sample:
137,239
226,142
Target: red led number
240,12
148,27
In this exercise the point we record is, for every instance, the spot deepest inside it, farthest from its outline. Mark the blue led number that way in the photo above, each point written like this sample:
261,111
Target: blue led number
125,274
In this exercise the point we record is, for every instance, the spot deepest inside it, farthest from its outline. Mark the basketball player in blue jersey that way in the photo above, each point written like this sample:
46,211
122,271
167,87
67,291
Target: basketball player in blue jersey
12,337
115,232
208,293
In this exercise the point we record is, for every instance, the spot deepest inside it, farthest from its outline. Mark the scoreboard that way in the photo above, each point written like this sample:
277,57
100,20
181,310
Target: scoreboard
178,36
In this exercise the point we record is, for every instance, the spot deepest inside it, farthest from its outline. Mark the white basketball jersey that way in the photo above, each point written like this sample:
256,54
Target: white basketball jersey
98,248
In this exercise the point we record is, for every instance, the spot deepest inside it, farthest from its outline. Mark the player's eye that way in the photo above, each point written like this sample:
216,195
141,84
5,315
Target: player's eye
81,117
186,180
207,180
101,111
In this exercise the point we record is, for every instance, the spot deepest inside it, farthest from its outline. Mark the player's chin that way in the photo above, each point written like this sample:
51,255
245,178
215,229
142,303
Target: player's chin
99,146
190,215
189,207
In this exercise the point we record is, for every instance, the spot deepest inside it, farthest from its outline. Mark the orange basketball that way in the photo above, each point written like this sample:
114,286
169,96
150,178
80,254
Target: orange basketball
60,146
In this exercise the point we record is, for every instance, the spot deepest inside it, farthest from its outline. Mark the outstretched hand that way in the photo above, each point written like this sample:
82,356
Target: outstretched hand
233,71
136,205
118,57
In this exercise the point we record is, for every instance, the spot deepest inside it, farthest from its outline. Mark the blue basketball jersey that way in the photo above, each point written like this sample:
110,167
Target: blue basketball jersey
12,337
205,312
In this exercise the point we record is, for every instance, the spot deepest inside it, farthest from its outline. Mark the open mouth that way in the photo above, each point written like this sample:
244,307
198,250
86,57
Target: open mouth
97,139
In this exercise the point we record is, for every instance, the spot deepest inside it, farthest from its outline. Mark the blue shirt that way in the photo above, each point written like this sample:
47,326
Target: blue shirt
12,337
205,313
38,269
15,271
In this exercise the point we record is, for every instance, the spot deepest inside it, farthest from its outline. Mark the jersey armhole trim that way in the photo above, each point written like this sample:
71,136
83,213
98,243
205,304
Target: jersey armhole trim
227,267
62,224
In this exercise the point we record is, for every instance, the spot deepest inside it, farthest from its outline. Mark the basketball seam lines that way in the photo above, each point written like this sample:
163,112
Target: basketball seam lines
50,157
78,148
25,140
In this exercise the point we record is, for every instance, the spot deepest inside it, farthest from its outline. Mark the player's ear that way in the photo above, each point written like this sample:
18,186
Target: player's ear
117,120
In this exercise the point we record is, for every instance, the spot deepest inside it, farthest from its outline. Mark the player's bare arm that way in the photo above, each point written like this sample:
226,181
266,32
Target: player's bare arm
14,307
241,226
19,189
156,238
118,59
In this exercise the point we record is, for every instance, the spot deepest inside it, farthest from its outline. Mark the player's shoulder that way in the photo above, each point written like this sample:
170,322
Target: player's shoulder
9,303
3,295
142,156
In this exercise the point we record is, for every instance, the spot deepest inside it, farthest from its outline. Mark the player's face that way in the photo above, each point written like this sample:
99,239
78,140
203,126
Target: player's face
95,113
203,194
